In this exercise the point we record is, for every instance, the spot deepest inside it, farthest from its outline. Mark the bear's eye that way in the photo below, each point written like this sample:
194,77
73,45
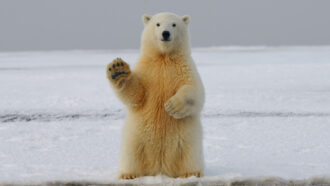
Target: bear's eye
174,25
158,24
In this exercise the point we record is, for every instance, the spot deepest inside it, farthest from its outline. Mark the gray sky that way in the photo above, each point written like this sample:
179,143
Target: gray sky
110,24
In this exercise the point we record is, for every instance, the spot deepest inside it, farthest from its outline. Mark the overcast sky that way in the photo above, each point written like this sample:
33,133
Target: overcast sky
110,24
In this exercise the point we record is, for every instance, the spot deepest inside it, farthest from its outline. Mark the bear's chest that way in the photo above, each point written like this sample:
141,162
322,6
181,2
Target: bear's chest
160,82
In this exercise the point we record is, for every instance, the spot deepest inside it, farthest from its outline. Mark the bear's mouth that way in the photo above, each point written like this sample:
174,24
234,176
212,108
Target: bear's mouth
165,40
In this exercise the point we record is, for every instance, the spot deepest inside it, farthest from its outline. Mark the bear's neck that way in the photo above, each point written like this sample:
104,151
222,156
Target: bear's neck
174,55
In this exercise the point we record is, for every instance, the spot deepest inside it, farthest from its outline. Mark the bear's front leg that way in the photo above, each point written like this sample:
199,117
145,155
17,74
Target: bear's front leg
125,83
183,103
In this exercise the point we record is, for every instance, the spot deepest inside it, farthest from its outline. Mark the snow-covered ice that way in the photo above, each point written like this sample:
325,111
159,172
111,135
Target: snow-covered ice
267,113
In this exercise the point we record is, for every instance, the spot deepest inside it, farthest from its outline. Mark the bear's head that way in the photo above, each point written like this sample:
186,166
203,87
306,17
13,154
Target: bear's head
165,33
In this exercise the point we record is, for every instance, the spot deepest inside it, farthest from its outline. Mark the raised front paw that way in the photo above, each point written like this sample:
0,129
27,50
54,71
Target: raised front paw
179,108
118,71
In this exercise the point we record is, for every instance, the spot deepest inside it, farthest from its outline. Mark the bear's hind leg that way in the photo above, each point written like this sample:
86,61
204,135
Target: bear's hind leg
132,165
184,162
133,162
184,152
133,159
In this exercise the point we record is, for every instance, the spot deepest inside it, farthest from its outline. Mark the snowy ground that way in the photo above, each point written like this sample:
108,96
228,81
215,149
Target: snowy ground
267,113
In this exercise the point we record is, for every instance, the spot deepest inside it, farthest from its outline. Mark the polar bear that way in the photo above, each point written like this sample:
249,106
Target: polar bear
164,96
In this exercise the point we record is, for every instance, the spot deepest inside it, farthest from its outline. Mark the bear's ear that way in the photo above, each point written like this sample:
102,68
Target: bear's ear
186,19
146,18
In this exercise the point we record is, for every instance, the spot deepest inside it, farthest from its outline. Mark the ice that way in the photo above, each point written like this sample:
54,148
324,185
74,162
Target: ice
267,113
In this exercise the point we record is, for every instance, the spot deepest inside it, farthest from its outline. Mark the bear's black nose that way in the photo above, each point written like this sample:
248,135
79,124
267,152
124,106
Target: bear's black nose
166,35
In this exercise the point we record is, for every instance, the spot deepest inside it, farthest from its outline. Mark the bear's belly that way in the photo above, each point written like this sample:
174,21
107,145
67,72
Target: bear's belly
154,113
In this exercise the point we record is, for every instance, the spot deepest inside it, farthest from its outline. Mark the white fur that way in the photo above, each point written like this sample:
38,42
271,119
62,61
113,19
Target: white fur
140,132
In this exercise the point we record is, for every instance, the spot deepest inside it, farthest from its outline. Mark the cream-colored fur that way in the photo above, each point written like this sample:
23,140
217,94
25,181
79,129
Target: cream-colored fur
164,97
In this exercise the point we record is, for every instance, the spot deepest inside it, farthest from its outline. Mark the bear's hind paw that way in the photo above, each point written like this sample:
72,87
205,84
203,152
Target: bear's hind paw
127,176
187,175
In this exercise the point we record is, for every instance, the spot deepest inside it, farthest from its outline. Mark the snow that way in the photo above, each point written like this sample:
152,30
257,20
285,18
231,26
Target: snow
267,113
